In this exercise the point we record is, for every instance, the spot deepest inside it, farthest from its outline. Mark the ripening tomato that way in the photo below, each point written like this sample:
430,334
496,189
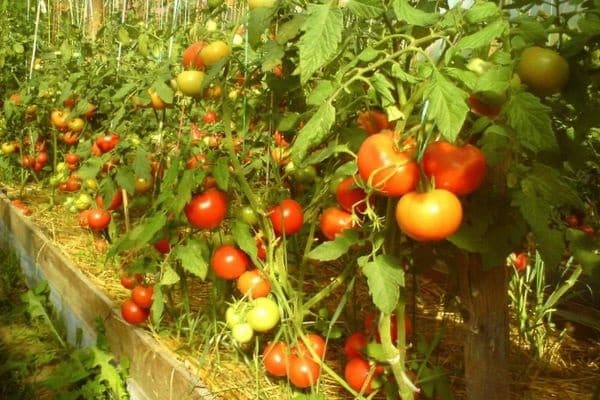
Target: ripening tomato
355,345
131,281
334,221
210,117
388,169
359,376
163,246
253,284
191,56
229,262
133,313
287,217
142,295
115,203
143,185
71,138
544,71
76,125
276,358
98,219
350,197
207,209
190,82
373,121
315,341
480,107
107,142
460,170
71,158
303,371
428,216
214,52
156,102
58,119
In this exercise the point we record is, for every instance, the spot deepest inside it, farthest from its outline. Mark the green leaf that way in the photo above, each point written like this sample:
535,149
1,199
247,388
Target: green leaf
383,87
164,91
186,186
320,93
368,54
124,91
272,55
530,29
313,133
108,372
193,256
169,277
494,83
483,37
322,35
537,212
552,186
385,276
290,29
413,16
244,239
584,250
481,12
90,168
365,8
221,172
141,164
467,78
334,249
288,121
259,19
447,105
530,120
399,73
125,178
158,304
140,235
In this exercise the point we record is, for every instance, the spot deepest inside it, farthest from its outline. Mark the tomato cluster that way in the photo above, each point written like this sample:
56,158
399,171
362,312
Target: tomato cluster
136,309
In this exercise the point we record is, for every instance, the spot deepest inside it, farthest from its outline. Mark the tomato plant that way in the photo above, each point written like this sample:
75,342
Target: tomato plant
287,217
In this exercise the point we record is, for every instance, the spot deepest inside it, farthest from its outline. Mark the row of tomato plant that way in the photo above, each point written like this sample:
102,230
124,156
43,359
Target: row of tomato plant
369,138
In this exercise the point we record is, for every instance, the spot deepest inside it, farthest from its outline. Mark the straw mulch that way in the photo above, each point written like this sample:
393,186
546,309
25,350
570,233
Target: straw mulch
572,373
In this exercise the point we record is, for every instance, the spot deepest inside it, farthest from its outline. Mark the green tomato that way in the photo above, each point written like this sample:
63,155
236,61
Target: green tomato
83,201
263,314
248,215
8,148
242,333
233,317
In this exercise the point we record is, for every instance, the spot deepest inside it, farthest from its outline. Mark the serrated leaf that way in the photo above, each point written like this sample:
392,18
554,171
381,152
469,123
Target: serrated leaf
550,185
164,91
141,164
272,55
495,81
313,133
108,372
447,105
288,121
90,168
320,93
537,212
259,19
365,8
125,178
530,29
186,185
193,256
334,249
467,78
322,35
290,29
221,172
123,92
244,239
413,16
483,37
530,120
169,277
385,276
480,12
383,87
140,235
399,73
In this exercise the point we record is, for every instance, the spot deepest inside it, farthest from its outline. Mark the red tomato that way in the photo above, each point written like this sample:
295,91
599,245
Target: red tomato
428,216
115,203
129,281
142,296
253,284
229,262
107,142
334,221
260,247
358,375
588,230
42,158
521,261
350,197
572,220
303,371
482,108
207,209
133,313
163,246
276,358
287,217
460,170
210,117
389,170
98,219
355,345
373,121
191,56
71,158
316,342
